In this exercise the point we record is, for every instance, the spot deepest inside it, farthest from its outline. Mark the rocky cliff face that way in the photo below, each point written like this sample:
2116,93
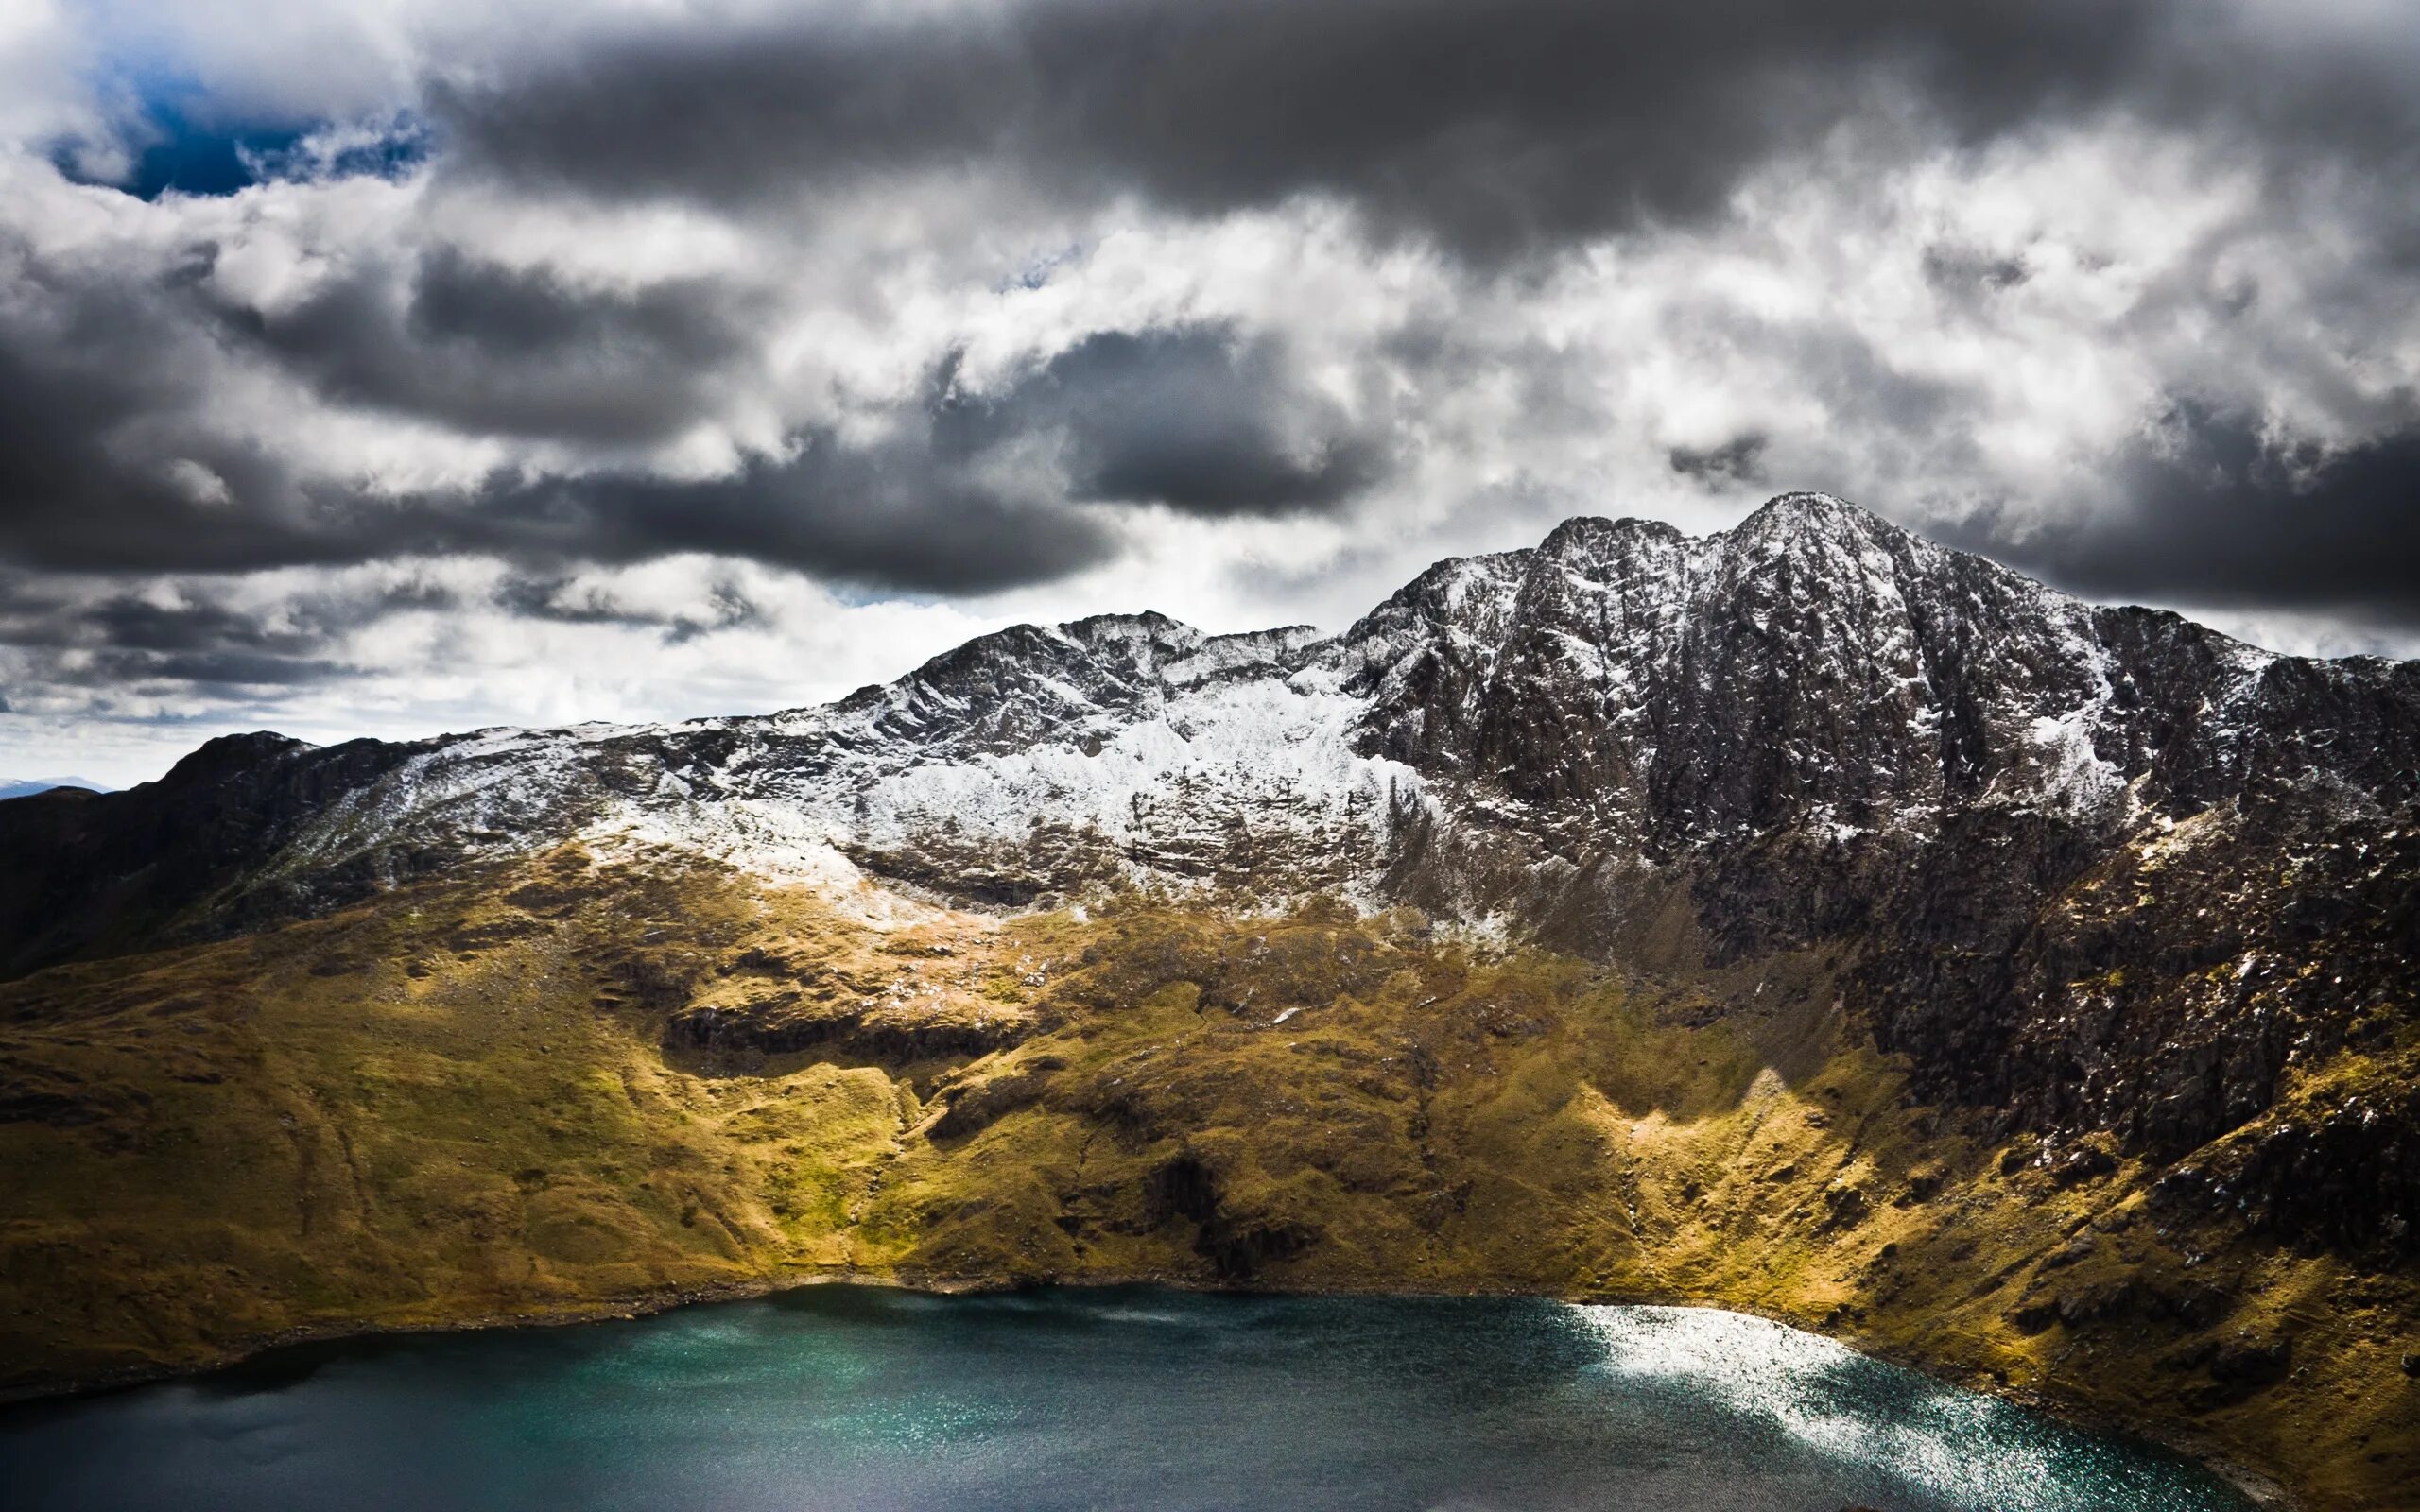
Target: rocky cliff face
2092,869
2098,869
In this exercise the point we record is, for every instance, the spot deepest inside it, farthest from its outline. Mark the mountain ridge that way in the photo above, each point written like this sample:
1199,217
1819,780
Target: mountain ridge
1620,695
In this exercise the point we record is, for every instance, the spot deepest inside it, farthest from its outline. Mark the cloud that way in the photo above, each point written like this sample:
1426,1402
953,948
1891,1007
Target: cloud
1202,418
63,636
1970,272
1495,129
1740,459
564,599
967,492
149,421
101,460
2217,511
887,513
487,349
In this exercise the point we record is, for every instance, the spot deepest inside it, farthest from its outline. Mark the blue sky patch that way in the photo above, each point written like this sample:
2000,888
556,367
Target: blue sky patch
182,156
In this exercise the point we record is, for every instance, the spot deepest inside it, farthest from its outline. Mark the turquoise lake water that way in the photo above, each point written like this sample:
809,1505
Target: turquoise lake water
863,1398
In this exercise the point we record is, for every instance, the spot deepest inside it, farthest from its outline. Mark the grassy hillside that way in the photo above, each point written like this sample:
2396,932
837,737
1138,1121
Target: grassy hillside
569,1088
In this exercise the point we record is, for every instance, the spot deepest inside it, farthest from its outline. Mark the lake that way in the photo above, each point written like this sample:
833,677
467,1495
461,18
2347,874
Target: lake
845,1396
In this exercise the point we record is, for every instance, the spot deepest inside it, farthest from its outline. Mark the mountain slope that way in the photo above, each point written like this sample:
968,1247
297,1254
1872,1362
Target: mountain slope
560,1087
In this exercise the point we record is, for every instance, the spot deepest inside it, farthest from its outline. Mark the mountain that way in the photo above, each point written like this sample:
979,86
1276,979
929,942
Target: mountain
2102,886
1813,729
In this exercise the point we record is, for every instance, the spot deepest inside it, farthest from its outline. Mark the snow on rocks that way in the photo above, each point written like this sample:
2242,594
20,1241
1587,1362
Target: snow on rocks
1620,693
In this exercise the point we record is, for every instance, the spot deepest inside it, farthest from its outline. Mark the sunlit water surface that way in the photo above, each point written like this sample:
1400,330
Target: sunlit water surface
859,1398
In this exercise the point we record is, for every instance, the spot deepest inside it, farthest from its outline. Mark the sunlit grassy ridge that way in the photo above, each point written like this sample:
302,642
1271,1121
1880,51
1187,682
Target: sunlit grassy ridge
458,1103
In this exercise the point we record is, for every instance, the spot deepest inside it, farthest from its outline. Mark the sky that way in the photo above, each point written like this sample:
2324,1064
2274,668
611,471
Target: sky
391,367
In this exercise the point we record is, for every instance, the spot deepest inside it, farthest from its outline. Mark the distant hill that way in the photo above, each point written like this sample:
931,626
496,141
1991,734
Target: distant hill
23,788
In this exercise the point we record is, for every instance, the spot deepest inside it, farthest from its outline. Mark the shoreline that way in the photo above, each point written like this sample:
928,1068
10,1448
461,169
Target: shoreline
2262,1489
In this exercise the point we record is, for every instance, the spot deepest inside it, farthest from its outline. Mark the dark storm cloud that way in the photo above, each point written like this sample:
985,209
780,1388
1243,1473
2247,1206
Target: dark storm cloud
1966,273
105,460
974,493
1740,459
566,601
886,514
488,350
1496,129
1200,419
2217,512
123,641
218,673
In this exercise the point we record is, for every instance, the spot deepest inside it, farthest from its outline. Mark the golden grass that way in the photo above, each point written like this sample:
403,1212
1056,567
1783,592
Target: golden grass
453,1104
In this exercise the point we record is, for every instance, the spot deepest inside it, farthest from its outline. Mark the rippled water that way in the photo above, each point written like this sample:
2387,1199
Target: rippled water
859,1398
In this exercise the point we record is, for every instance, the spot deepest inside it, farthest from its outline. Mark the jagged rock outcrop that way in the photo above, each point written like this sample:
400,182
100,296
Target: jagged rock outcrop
2089,869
